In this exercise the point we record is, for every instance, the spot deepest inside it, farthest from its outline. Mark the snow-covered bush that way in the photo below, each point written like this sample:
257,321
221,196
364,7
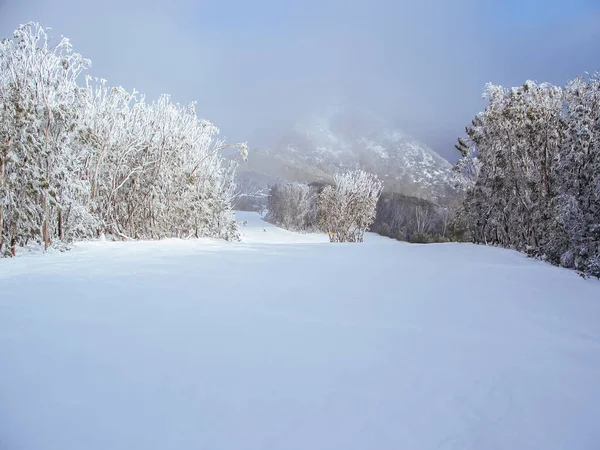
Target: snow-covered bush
347,209
344,210
78,159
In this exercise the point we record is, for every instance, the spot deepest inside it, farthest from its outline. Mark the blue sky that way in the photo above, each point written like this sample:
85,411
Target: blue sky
538,12
255,67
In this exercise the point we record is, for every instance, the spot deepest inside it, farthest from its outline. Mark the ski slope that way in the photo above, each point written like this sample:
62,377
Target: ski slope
284,341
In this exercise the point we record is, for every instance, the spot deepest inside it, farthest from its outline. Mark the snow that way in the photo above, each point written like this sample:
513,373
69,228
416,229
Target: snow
284,341
340,138
375,148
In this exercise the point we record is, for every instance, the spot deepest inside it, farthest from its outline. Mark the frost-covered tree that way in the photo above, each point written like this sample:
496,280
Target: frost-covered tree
80,158
293,206
578,179
348,208
532,161
40,176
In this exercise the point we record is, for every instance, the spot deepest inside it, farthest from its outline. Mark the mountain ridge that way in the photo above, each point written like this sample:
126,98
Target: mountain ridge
338,139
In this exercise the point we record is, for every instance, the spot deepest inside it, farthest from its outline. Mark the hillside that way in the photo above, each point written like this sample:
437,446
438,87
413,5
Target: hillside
284,341
342,139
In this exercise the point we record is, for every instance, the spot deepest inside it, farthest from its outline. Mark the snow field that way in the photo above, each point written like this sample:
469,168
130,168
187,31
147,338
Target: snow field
284,341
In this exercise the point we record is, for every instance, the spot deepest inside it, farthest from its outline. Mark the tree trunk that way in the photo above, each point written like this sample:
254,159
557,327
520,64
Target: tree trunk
13,240
45,231
61,235
97,170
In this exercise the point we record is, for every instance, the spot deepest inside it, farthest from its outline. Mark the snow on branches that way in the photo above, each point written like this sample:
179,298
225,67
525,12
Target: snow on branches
81,159
533,157
293,206
348,208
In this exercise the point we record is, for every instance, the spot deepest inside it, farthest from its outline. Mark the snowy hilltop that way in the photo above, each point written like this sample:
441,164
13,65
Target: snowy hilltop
341,139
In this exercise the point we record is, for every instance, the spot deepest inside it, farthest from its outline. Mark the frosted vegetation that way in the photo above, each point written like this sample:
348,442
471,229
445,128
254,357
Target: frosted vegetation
532,160
80,158
308,207
530,164
344,209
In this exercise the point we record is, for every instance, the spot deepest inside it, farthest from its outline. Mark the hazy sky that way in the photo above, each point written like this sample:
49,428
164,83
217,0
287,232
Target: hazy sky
254,66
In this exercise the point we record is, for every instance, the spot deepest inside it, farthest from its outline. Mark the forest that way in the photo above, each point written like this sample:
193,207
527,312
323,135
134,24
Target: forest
531,163
81,159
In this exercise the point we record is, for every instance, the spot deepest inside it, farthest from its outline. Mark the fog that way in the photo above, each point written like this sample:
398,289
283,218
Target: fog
254,67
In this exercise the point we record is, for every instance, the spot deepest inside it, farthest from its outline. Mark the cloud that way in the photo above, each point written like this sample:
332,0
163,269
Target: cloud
255,66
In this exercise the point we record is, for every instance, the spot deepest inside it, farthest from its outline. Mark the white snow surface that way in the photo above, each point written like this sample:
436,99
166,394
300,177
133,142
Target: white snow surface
284,341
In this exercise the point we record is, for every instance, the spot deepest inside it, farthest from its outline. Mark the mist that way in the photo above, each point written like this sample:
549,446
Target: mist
256,67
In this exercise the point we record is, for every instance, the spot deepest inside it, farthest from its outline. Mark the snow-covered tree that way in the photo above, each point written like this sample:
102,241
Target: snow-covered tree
82,158
40,176
578,177
533,160
348,208
293,206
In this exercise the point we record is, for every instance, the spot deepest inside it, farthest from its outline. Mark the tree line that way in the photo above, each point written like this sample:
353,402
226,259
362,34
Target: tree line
531,161
416,220
79,158
326,207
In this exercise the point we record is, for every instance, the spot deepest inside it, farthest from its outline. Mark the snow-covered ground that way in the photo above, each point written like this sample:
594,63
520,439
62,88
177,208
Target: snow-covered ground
285,341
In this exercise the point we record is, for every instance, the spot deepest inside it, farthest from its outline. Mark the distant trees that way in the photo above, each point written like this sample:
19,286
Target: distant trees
355,204
532,161
293,206
414,219
344,210
252,191
82,158
347,208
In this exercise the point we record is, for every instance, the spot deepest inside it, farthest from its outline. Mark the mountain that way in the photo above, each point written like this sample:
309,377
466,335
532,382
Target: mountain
342,139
